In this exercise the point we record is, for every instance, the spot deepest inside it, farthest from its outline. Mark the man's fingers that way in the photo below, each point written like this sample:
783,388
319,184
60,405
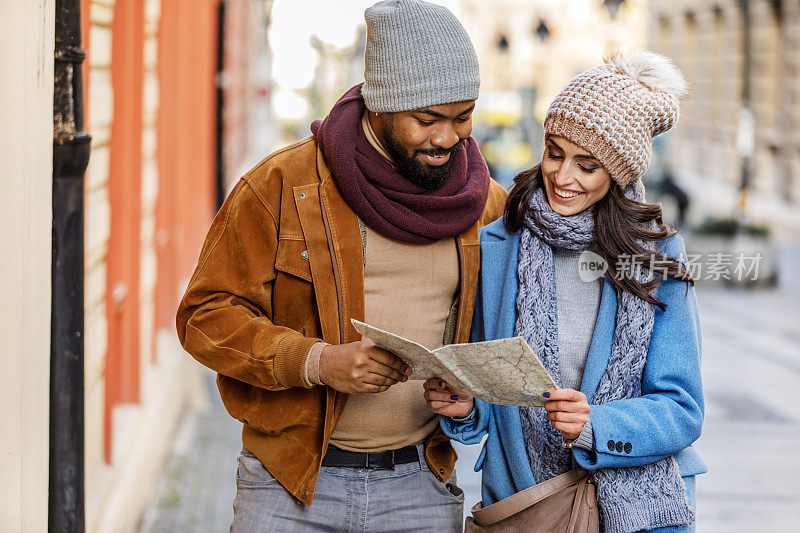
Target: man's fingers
367,342
375,388
382,381
389,359
383,370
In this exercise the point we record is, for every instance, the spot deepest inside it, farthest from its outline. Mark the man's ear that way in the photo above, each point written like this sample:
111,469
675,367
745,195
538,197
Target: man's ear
381,118
380,123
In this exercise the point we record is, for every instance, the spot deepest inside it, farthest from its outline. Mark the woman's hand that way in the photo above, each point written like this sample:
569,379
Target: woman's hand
445,400
568,411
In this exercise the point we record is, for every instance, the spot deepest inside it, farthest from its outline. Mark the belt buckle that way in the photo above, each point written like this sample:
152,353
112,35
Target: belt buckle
367,463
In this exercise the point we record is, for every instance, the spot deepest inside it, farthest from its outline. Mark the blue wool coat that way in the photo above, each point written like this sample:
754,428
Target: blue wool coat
664,421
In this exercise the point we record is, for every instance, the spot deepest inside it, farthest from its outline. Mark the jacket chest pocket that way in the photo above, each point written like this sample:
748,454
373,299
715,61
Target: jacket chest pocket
292,258
293,301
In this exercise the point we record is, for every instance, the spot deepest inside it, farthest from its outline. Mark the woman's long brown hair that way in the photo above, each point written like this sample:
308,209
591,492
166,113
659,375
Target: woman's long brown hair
619,225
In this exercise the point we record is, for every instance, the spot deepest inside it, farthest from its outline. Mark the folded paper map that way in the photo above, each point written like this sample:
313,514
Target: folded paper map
504,371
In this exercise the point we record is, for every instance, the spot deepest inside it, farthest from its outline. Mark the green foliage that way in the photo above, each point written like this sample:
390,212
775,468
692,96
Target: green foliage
730,227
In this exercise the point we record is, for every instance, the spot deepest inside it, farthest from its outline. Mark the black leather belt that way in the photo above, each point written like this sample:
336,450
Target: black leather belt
342,458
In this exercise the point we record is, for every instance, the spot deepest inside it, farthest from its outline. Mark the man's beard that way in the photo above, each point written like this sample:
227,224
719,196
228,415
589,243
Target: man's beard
428,177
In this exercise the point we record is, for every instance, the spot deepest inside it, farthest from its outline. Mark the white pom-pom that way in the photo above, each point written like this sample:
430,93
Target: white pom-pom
652,70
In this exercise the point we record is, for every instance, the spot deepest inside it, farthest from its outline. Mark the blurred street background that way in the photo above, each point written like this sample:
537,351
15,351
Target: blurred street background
181,97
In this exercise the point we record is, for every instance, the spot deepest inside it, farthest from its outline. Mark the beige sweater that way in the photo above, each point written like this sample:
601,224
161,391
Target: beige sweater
408,290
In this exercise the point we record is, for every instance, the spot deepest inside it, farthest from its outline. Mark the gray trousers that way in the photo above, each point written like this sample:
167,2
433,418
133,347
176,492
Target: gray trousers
406,498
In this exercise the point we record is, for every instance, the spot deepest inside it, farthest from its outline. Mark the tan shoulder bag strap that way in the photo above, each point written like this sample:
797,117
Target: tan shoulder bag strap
525,498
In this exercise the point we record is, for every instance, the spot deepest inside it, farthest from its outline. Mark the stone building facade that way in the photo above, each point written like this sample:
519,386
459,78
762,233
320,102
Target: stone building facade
710,40
540,45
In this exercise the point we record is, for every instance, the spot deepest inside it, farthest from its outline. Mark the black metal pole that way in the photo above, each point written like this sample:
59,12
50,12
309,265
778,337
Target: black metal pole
71,147
221,190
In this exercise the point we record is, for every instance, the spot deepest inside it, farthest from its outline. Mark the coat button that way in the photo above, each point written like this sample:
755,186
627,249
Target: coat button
611,445
304,254
619,446
441,471
304,494
301,195
628,447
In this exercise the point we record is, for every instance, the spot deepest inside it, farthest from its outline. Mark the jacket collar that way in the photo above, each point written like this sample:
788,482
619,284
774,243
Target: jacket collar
497,231
499,254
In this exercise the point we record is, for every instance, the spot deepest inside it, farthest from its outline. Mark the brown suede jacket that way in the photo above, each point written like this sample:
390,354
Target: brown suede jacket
282,268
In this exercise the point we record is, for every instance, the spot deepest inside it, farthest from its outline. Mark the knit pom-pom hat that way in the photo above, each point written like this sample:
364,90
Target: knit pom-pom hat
614,110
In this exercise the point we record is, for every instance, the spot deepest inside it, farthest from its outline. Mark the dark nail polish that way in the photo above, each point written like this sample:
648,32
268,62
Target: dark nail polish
546,394
454,397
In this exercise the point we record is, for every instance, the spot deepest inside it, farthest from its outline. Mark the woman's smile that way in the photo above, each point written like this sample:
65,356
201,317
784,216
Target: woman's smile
565,196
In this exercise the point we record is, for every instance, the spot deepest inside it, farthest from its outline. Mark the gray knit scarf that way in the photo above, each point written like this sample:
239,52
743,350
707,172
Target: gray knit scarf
630,499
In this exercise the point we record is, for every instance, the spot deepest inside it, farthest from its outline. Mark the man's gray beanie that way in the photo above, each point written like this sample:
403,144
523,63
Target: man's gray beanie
417,55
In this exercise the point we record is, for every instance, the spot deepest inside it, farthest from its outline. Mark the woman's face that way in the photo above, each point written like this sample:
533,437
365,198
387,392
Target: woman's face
573,178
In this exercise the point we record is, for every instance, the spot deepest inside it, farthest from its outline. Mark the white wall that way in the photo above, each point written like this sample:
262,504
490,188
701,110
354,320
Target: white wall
26,137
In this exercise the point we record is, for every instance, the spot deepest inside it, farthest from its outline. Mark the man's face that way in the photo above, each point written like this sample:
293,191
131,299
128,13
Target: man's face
422,141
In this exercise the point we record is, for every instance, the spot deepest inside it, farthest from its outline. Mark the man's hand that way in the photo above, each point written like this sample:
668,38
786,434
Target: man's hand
567,410
445,400
360,367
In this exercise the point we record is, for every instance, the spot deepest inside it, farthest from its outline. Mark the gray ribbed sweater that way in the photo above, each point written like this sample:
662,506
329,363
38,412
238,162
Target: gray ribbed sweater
578,302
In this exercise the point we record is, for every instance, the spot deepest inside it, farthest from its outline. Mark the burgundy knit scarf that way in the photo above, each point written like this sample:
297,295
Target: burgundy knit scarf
386,201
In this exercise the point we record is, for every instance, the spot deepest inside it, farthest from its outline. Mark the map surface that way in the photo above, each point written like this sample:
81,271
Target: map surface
504,371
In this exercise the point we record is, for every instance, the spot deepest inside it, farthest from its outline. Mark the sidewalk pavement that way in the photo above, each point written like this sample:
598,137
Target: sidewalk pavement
195,491
751,436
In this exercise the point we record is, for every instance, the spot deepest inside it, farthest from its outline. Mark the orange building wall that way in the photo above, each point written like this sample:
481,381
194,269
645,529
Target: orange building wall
124,249
238,89
186,64
187,58
149,199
